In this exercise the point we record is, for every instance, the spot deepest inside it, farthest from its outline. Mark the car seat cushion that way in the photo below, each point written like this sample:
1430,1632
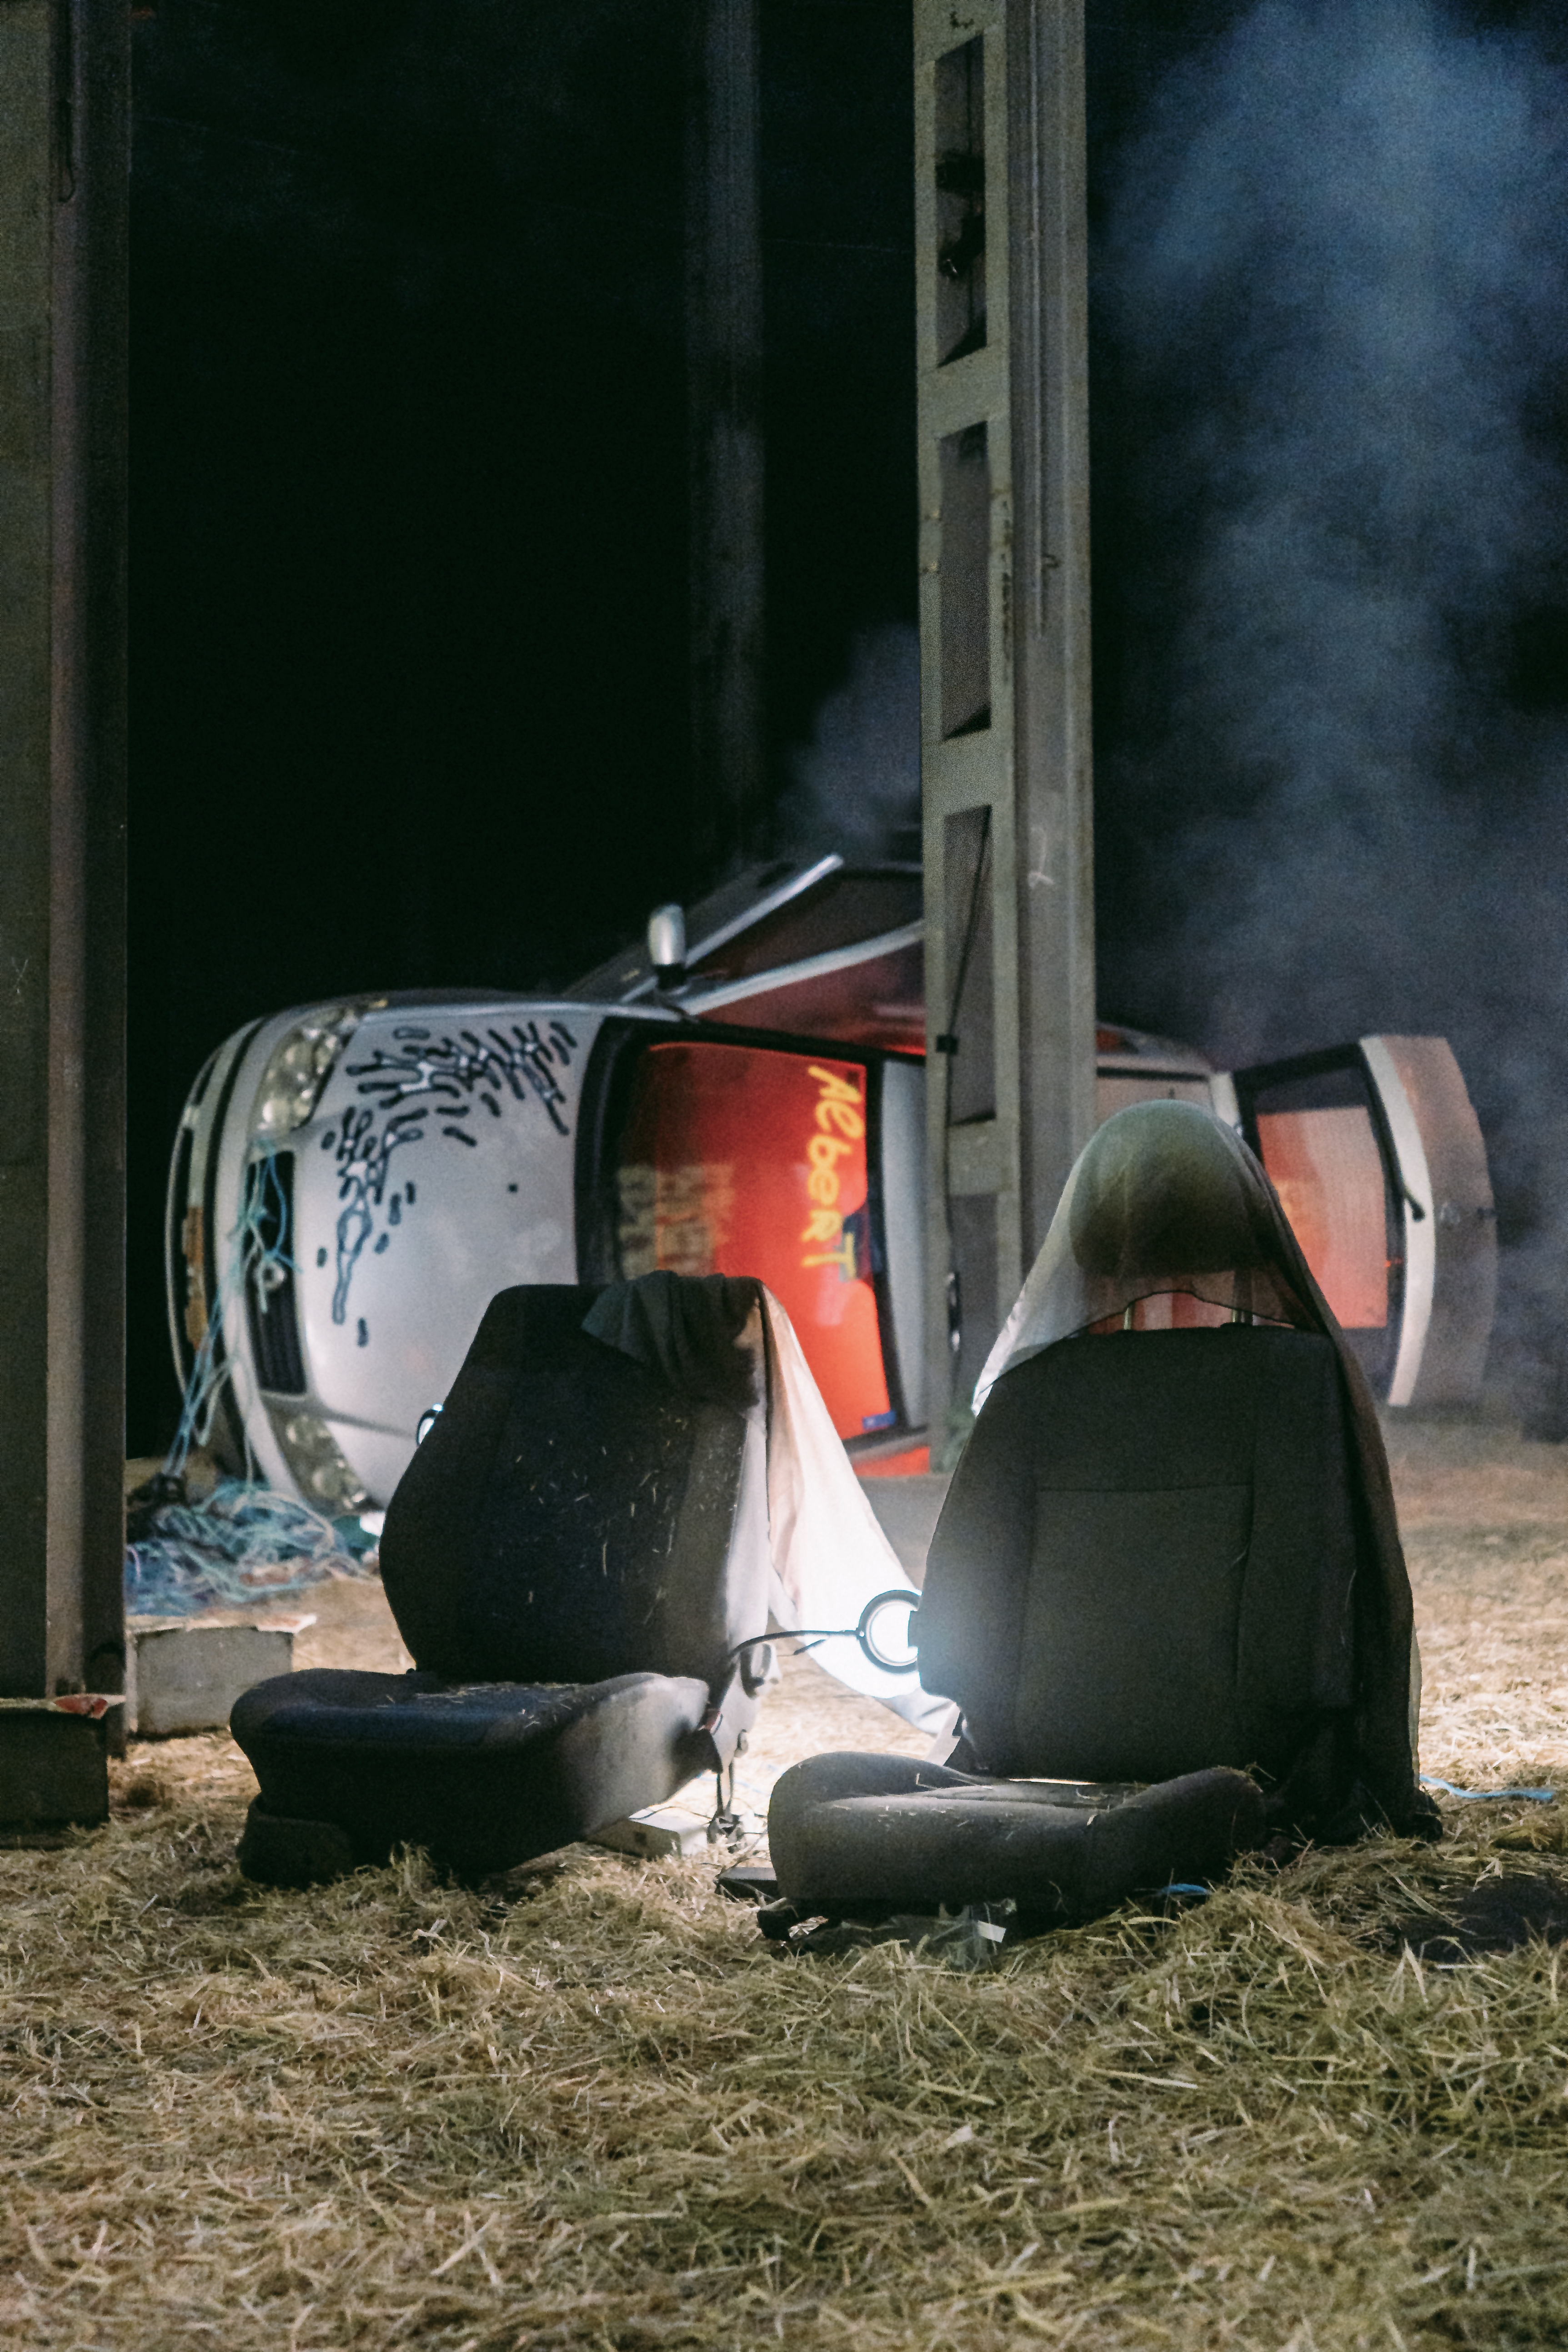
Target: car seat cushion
484,1775
1146,1562
572,1515
847,1831
1168,1199
1145,1589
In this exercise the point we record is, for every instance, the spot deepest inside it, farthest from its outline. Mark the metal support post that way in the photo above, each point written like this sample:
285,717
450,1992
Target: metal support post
1001,248
64,153
724,374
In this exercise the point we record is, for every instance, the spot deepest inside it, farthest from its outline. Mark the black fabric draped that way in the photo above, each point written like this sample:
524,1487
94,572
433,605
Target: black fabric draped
1166,1198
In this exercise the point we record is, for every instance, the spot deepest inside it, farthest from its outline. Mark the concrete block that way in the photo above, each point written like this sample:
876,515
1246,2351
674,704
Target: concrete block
53,1767
181,1678
661,1830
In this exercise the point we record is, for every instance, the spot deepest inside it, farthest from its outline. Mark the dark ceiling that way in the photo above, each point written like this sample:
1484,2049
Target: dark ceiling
409,481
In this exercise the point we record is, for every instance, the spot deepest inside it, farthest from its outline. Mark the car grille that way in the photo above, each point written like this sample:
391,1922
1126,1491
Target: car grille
269,1274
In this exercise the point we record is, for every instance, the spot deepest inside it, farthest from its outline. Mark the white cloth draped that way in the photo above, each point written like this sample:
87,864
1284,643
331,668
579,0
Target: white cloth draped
830,1554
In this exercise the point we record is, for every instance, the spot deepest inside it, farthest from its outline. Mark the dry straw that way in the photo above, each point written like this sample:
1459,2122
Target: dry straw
587,2107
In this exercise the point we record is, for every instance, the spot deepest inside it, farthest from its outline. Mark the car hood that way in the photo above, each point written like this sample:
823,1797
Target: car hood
437,1169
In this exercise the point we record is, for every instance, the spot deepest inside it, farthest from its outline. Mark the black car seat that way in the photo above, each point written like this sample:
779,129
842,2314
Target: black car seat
571,1558
1141,1583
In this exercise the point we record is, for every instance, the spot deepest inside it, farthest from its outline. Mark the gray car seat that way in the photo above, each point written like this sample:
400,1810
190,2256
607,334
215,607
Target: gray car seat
571,1556
1141,1584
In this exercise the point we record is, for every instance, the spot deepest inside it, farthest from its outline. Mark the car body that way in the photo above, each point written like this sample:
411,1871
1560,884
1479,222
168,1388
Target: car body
353,1181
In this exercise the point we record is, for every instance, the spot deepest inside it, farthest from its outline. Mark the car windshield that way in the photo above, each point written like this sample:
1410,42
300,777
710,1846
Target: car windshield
750,1160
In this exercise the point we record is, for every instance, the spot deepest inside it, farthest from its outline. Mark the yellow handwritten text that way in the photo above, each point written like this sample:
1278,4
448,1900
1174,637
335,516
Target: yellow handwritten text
839,1120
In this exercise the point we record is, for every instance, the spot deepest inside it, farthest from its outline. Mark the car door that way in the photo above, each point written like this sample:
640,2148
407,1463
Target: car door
1377,1156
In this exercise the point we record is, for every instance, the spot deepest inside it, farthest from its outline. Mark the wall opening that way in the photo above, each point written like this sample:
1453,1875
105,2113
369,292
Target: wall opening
961,201
964,580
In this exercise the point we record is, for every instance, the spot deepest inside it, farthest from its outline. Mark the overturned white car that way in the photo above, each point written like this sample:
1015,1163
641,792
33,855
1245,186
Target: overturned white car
353,1181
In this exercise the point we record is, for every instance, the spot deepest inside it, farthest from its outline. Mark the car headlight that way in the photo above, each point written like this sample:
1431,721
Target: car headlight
316,1461
300,1067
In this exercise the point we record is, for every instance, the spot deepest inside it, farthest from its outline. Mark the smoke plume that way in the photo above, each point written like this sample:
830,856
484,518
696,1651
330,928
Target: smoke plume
855,787
1334,282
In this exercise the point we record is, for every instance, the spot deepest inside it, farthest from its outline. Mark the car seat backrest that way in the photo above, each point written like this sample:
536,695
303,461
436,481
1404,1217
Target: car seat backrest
1144,1567
571,1517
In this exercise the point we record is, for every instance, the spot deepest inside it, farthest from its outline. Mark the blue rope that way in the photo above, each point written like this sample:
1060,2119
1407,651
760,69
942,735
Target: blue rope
249,1252
241,1545
1485,1796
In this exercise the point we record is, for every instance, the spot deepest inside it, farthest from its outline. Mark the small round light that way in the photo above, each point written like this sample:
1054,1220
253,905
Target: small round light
866,1631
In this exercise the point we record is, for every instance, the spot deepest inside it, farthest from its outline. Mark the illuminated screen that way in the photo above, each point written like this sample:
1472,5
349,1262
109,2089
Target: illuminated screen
1327,1172
740,1160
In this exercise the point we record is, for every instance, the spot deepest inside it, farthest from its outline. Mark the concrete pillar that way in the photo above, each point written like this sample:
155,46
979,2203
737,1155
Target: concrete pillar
724,371
64,154
1001,310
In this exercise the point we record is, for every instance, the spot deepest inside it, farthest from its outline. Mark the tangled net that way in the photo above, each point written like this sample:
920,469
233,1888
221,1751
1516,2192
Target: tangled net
238,1545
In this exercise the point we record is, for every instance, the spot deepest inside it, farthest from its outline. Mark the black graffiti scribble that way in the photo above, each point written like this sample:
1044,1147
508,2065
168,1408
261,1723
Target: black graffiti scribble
445,1071
364,1156
432,1078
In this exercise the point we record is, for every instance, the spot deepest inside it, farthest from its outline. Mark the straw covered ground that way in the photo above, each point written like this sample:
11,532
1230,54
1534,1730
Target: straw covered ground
586,2106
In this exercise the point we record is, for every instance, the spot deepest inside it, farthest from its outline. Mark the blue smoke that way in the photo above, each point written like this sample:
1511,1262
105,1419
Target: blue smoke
855,787
1335,273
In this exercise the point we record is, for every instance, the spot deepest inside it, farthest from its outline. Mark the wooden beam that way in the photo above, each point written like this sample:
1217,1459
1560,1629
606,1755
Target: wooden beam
1001,307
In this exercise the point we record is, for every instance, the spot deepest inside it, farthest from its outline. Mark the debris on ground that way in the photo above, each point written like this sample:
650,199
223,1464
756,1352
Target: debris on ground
226,1549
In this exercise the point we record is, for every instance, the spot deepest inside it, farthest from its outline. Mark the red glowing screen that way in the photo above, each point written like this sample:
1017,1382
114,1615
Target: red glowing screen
1326,1166
736,1160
